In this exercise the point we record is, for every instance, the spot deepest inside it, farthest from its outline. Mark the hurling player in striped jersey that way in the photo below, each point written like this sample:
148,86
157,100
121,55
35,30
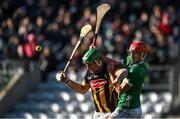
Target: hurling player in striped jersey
101,72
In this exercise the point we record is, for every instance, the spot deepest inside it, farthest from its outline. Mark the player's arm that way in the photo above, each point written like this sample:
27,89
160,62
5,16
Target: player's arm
117,74
125,85
80,88
109,60
131,79
117,71
120,74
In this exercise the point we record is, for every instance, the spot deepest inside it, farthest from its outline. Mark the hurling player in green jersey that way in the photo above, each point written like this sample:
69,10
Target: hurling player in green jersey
129,105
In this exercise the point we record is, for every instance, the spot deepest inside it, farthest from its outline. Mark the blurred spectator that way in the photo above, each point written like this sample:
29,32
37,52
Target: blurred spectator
76,60
8,28
164,26
40,24
155,16
58,23
116,25
100,45
25,27
48,62
10,50
84,18
120,44
30,47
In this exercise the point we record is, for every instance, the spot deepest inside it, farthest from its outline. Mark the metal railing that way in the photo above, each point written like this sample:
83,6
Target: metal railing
9,67
7,70
160,78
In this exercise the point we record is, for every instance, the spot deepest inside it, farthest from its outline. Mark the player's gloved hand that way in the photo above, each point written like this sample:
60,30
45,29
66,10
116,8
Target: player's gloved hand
62,77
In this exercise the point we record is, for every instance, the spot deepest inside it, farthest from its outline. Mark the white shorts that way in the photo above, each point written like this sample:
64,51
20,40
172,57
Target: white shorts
101,115
126,113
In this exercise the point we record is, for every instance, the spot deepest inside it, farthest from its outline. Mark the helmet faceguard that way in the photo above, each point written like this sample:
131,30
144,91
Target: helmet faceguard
90,56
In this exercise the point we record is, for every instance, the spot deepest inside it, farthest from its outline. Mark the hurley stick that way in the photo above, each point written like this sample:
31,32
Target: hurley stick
84,31
101,11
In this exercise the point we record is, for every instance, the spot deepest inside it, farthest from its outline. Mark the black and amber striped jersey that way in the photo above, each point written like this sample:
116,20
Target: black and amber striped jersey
105,99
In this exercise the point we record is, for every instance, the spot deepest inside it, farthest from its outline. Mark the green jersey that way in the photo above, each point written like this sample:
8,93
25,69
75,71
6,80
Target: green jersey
136,77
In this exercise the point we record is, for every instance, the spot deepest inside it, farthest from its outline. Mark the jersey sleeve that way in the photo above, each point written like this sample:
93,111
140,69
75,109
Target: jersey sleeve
130,77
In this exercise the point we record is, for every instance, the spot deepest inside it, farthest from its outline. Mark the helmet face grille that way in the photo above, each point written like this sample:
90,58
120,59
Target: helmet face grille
90,56
138,46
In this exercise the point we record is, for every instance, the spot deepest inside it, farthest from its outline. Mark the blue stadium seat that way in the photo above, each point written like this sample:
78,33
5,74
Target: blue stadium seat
153,97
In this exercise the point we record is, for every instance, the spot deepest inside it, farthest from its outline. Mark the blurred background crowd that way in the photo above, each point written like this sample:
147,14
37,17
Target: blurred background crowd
55,26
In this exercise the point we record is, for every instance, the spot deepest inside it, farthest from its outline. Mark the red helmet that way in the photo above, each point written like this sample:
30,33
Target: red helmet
138,46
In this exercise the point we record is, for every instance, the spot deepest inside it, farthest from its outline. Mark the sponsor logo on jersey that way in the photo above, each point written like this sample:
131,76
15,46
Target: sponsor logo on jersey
98,83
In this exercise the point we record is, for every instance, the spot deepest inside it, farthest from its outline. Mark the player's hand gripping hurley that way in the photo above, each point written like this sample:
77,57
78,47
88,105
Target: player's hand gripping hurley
84,31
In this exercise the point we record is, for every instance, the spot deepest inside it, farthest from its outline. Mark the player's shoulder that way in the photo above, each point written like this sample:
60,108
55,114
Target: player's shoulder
140,67
106,59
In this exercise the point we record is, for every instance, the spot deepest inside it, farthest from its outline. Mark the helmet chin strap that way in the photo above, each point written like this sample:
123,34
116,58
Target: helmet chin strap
98,63
143,55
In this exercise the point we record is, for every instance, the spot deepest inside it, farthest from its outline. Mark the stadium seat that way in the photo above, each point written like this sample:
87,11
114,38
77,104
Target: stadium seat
167,96
80,97
153,97
65,96
88,116
43,116
86,107
158,108
149,116
146,107
28,115
71,107
59,116
73,116
55,107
